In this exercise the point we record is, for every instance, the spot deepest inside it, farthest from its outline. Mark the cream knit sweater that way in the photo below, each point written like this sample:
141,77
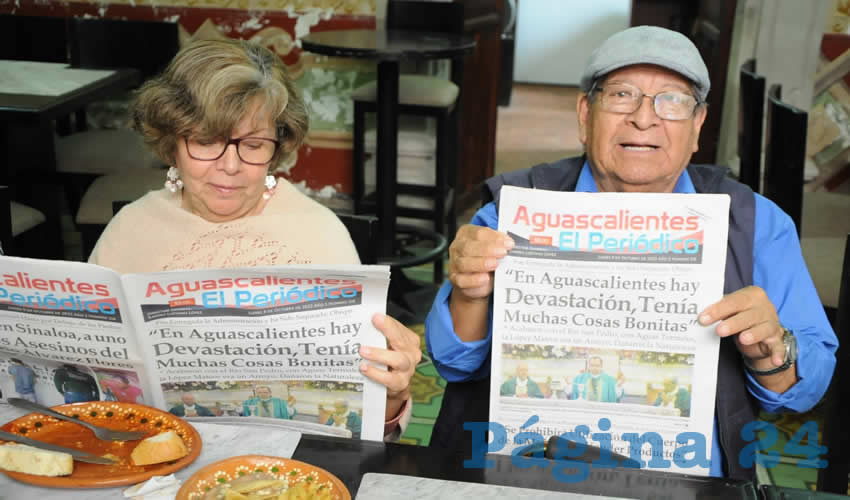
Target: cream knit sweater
155,233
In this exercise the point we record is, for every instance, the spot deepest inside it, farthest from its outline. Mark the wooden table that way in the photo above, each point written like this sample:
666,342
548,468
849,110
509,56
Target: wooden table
350,459
32,95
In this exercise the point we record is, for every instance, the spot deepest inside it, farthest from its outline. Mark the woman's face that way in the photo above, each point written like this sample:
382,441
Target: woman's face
227,188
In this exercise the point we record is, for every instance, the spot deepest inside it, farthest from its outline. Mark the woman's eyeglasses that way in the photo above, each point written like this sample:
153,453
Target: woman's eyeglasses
251,150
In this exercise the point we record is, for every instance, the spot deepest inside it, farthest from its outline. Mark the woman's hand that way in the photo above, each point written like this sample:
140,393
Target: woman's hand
401,358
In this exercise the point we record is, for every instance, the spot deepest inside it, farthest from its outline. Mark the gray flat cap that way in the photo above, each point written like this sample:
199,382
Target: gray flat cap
648,45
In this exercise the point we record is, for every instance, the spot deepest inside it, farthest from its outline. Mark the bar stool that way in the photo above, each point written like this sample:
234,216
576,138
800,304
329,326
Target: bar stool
419,95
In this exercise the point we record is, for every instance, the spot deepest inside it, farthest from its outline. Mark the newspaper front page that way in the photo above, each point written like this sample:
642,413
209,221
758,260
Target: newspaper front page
595,318
278,343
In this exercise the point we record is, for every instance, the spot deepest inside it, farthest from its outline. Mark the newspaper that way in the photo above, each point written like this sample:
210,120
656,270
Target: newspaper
279,343
595,318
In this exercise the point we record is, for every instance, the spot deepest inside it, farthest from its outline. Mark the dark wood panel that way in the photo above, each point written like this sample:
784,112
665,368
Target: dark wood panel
480,93
712,34
709,24
674,14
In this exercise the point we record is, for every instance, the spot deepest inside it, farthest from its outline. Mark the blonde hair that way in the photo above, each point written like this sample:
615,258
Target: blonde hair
209,87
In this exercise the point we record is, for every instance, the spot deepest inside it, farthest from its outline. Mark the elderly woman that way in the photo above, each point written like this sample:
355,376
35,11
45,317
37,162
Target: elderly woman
223,115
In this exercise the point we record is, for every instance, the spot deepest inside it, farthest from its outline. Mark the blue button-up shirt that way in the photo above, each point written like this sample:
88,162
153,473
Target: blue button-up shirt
778,268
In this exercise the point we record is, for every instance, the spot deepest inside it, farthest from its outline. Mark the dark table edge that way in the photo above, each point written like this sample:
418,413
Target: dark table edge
363,53
53,106
747,489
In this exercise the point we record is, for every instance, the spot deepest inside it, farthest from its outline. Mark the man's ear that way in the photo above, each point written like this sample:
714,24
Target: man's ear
582,111
699,119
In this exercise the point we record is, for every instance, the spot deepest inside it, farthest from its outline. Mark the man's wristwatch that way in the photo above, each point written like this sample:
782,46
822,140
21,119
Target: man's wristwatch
790,343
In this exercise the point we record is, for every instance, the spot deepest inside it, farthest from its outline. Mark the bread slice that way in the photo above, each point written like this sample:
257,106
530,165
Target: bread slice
29,460
163,447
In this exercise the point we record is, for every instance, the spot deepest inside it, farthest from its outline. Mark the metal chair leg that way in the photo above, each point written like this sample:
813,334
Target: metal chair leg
358,163
441,186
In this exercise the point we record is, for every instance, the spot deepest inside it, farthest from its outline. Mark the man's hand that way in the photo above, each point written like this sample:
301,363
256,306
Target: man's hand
749,315
401,358
473,256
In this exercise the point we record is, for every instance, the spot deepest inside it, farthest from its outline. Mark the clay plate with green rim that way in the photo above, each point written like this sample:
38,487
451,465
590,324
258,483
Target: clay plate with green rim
112,415
229,469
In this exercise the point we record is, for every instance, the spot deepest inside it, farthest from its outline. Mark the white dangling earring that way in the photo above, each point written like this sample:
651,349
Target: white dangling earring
172,180
271,182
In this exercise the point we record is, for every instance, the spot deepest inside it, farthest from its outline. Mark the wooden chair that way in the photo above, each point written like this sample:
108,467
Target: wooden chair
20,228
364,233
419,95
820,217
750,121
833,478
785,155
99,201
148,47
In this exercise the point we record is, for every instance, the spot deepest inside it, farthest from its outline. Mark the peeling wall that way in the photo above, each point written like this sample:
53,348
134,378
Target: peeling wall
340,7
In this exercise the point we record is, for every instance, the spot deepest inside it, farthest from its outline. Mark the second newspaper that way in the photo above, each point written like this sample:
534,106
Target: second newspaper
278,343
595,326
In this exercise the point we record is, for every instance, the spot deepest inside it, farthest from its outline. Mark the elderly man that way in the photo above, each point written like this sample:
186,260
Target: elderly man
641,107
520,385
189,408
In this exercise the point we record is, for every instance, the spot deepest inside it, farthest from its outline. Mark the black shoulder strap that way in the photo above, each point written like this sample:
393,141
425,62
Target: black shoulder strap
739,252
561,175
733,404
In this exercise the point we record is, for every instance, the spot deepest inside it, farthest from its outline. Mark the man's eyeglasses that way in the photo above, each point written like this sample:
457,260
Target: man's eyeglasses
624,98
251,150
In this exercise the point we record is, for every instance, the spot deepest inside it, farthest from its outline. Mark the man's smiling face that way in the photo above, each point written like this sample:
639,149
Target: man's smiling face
638,152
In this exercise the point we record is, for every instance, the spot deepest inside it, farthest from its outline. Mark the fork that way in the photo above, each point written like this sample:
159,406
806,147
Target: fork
99,432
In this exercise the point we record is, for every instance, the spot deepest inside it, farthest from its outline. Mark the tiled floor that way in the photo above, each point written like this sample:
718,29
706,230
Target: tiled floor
539,126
